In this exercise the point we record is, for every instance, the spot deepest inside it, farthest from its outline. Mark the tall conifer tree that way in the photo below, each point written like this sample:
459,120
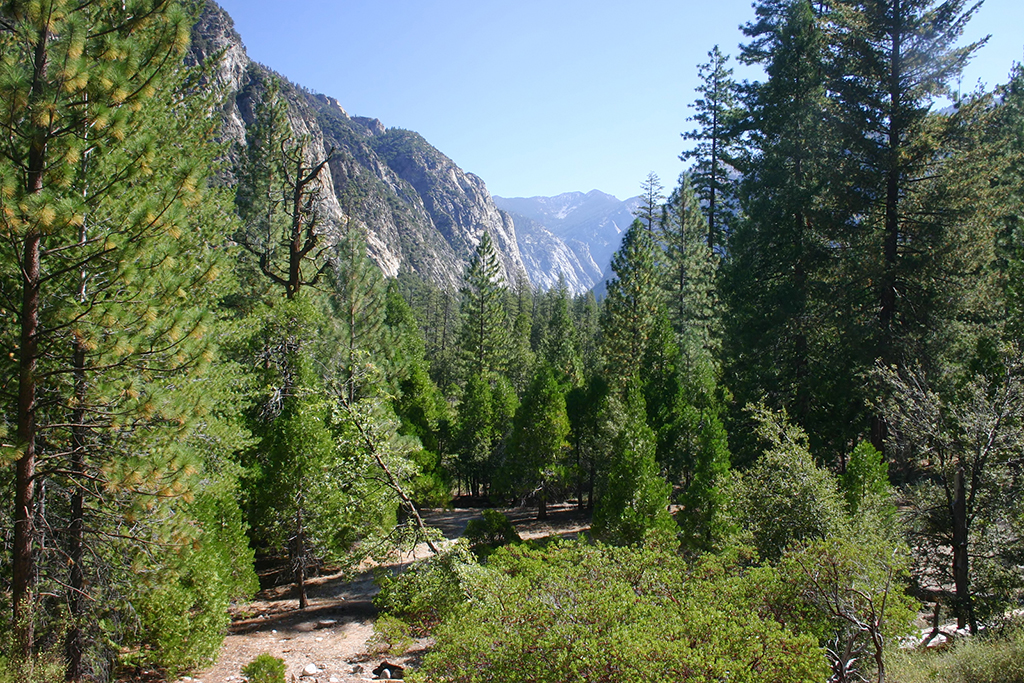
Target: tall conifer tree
715,143
103,172
780,275
905,54
632,320
485,325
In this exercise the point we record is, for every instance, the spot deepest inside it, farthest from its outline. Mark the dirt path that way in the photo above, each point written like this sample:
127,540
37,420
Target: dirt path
331,633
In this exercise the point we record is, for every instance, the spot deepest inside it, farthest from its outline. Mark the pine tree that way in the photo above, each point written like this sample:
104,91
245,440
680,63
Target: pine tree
905,53
692,447
651,198
715,143
113,285
418,403
633,309
280,197
358,307
780,278
485,327
560,350
691,273
521,356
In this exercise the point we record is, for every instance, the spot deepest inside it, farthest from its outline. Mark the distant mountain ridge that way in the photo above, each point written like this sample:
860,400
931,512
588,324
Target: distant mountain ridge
420,212
574,233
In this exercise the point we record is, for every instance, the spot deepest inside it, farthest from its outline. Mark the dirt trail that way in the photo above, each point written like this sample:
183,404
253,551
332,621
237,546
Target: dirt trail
332,632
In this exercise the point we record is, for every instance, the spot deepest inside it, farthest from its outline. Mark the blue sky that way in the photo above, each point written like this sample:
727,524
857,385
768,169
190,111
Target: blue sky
537,97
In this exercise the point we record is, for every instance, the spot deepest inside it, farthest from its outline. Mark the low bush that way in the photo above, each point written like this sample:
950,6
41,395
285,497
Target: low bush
493,531
391,636
430,591
266,668
595,614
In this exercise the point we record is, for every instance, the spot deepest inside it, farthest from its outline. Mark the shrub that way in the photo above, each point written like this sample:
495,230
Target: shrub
994,659
785,497
597,614
428,592
493,531
183,607
391,635
266,668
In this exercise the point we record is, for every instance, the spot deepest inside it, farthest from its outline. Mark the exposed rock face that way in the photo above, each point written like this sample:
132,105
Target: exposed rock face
547,256
574,234
420,211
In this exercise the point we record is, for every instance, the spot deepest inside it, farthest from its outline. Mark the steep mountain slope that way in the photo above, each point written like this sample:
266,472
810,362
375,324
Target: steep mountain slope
420,211
574,233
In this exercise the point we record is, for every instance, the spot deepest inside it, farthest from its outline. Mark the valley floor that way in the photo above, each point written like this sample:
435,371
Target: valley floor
332,632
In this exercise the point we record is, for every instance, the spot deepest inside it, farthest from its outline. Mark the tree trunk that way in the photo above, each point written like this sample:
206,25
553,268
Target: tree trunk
23,555
299,562
76,526
23,579
961,575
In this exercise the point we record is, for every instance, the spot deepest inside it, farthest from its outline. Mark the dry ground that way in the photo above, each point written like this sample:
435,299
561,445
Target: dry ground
332,632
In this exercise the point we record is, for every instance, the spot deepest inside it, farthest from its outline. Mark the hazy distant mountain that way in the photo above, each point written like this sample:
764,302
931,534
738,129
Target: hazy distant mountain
574,233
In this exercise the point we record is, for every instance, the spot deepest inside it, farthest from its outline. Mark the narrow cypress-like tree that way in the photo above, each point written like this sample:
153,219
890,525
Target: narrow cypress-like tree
537,444
634,499
691,276
560,349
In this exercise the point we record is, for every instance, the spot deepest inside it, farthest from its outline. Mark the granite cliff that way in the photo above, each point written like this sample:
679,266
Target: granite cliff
420,211
574,234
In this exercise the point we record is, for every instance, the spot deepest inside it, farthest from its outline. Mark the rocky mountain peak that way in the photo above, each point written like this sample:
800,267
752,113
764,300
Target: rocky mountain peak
419,210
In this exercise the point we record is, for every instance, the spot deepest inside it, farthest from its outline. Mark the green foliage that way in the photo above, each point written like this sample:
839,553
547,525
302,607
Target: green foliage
591,613
491,532
634,499
854,585
429,591
46,666
537,445
391,636
488,406
785,497
265,668
309,482
182,603
716,116
417,401
358,306
996,658
560,347
866,481
633,309
485,321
